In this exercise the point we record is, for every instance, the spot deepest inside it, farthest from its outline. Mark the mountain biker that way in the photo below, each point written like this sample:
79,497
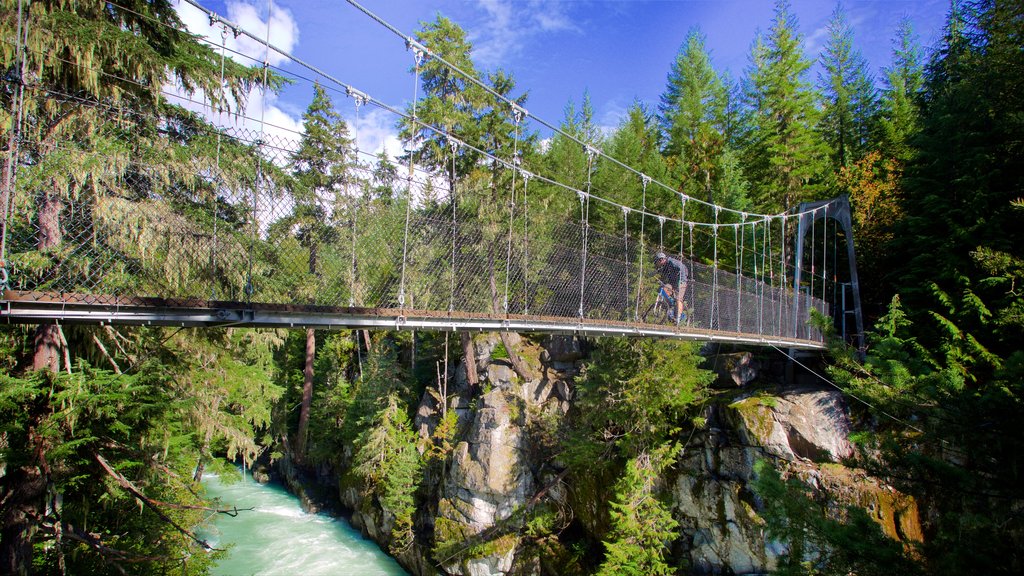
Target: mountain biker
673,281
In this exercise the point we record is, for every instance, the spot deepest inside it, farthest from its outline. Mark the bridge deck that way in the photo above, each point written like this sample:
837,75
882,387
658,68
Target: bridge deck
35,307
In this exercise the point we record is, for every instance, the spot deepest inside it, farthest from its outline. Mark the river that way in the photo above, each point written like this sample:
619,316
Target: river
278,539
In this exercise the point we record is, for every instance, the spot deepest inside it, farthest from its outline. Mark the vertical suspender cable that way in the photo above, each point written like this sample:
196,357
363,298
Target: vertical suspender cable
782,261
526,245
625,250
453,146
354,210
640,275
585,214
715,305
759,286
13,144
824,257
770,266
218,178
814,216
249,288
738,245
418,57
687,265
517,116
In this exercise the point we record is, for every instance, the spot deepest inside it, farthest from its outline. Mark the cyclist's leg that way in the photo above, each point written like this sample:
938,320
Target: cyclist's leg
667,296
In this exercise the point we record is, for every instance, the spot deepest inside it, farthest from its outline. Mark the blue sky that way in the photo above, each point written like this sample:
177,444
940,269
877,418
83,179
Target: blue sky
617,51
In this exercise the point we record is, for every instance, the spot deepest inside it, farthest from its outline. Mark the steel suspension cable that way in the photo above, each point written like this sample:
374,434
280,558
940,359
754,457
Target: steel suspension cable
585,213
715,305
643,255
770,266
473,79
418,58
219,178
517,116
359,100
814,217
453,146
249,287
17,109
738,241
625,250
759,286
782,262
526,244
824,257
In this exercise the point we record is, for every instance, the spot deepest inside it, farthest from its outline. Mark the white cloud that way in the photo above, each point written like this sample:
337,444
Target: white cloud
510,24
279,127
375,132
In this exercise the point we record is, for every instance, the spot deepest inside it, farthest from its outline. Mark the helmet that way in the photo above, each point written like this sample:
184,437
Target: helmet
659,255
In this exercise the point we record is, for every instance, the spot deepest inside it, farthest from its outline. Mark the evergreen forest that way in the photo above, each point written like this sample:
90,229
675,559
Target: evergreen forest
107,430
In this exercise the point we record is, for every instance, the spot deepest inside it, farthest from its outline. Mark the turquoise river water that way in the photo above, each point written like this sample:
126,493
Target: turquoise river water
278,539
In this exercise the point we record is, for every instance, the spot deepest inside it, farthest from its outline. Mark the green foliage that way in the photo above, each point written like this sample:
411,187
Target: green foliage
783,153
849,93
636,395
817,542
56,426
387,462
641,525
381,378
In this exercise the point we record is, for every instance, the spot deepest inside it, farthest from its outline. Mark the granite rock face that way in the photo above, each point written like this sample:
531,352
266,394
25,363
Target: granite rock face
473,506
810,424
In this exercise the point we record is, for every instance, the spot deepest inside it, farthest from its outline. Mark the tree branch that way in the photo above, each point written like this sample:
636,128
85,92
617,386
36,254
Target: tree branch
153,505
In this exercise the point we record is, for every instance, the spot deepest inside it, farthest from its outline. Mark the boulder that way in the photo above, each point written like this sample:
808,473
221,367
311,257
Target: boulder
733,370
488,480
810,424
565,349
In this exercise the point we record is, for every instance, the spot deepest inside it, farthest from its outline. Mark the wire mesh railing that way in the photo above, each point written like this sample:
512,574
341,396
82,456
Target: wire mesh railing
217,214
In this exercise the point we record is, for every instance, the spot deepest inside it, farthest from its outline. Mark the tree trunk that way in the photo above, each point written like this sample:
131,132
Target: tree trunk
314,249
50,207
470,355
47,348
517,362
23,490
307,395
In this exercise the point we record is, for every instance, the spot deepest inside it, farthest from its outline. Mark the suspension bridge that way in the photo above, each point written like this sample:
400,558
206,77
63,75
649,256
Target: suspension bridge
97,232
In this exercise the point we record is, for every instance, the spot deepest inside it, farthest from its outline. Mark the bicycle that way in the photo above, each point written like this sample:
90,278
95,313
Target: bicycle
664,309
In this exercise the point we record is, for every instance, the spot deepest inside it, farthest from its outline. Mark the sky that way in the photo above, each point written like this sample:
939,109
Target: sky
616,51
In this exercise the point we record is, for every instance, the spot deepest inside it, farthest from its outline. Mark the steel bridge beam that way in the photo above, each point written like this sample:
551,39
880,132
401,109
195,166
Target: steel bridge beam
224,314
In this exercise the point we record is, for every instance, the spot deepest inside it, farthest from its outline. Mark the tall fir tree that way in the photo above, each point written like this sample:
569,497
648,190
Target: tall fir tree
783,155
692,114
901,93
850,101
449,101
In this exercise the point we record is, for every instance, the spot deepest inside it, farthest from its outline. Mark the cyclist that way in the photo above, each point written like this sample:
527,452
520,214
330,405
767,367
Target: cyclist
673,283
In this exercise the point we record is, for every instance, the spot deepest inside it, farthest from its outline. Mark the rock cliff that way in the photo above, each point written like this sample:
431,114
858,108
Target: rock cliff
490,507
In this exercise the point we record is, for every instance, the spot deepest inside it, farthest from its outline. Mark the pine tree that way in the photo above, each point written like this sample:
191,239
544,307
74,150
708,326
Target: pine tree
641,525
322,167
783,155
449,101
849,94
387,462
692,114
904,80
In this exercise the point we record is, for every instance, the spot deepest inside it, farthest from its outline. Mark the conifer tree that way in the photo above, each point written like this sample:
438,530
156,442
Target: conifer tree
642,526
692,113
903,82
783,154
849,94
387,462
322,169
449,101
